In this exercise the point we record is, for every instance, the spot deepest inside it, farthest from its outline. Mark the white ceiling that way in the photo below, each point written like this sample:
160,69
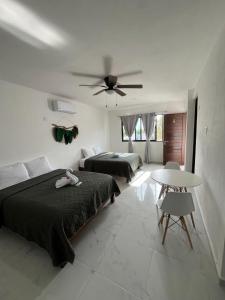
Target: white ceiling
169,40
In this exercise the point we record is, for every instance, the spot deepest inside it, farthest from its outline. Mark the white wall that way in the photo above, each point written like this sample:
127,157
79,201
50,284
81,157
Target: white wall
116,143
26,131
210,150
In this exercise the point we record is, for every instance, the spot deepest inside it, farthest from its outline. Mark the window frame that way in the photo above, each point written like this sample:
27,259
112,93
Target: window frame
135,140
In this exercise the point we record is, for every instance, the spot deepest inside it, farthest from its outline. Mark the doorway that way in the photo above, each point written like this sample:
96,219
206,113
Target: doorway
174,138
195,134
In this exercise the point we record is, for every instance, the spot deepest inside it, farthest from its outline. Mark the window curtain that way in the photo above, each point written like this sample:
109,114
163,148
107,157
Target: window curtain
129,123
148,124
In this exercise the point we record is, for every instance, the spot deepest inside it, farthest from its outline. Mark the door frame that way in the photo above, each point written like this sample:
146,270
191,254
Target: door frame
195,135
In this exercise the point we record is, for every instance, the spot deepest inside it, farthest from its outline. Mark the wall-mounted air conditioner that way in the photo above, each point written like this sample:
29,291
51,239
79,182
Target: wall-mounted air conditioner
63,106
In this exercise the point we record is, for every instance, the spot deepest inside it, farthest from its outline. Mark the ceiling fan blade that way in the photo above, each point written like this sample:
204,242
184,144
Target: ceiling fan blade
87,75
99,83
130,86
99,92
92,85
121,93
107,62
130,73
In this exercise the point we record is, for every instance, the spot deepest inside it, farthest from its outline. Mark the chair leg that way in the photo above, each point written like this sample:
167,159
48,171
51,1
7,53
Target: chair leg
181,223
161,219
167,224
185,228
192,219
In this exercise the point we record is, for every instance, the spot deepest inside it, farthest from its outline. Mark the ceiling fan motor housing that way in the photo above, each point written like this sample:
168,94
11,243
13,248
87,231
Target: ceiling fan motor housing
110,81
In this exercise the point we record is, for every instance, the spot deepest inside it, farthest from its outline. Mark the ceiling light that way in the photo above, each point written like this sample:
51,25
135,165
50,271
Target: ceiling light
109,91
24,24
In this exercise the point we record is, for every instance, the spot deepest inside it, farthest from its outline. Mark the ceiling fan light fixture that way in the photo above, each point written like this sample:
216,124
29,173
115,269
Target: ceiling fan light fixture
110,92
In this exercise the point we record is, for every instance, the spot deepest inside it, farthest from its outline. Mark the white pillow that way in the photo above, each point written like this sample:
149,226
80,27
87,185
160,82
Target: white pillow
12,174
87,152
97,150
38,166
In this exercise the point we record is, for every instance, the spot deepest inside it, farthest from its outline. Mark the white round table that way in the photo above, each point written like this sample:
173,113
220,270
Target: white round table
176,178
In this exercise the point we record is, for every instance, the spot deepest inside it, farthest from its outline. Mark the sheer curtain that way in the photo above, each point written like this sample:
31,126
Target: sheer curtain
129,123
148,124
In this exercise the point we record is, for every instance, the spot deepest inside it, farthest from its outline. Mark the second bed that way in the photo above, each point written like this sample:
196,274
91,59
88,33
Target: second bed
118,164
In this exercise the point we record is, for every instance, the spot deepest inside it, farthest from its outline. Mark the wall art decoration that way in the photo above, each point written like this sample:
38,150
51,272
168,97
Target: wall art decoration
65,134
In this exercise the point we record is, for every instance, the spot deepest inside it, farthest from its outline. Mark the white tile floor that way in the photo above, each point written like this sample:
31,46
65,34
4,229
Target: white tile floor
119,257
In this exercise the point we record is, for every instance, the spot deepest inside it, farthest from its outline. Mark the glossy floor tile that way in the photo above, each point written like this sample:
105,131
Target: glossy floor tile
127,263
119,256
100,287
69,283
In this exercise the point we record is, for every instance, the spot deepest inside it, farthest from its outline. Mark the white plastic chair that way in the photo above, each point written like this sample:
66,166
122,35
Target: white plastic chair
179,205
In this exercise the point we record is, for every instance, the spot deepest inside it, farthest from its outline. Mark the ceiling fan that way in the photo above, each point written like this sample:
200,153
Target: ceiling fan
108,82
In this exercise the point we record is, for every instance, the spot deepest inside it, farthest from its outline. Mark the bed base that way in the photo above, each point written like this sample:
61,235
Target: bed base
110,201
77,233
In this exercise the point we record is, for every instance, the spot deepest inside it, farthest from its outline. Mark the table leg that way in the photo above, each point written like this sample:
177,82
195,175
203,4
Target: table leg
161,191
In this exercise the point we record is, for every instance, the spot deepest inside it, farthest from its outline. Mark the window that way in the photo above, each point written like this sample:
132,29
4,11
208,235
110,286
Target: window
139,133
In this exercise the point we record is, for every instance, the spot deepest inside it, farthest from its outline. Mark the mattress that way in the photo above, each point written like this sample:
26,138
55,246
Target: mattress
82,162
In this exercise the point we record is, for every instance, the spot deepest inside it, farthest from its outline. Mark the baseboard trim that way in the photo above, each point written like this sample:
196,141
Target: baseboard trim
221,279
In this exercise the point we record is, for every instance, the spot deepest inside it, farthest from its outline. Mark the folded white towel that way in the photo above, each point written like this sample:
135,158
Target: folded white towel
62,182
70,179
